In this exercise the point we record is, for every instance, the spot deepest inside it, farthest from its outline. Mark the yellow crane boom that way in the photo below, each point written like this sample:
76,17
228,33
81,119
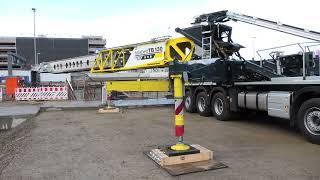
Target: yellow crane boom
151,54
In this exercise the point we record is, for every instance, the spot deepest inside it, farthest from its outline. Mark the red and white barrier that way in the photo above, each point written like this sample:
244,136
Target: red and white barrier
25,94
41,93
1,94
54,93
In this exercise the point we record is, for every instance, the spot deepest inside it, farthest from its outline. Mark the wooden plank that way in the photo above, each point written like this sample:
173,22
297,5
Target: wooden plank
180,169
108,110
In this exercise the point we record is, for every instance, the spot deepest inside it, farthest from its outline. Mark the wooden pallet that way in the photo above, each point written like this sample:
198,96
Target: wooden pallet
184,164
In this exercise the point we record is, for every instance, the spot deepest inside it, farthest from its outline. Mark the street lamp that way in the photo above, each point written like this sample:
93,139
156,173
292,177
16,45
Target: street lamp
38,57
34,36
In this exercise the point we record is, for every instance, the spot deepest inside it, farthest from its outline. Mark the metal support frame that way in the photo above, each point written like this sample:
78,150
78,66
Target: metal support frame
110,108
277,26
112,59
109,98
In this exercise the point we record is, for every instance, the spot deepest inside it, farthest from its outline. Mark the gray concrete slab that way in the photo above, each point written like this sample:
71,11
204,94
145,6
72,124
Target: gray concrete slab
19,110
26,109
12,114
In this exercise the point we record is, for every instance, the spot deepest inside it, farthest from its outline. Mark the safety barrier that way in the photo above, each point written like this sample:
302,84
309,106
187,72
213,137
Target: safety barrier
41,93
54,93
1,96
24,94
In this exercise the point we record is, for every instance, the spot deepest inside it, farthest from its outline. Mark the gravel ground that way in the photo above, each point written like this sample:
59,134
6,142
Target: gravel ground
87,145
12,142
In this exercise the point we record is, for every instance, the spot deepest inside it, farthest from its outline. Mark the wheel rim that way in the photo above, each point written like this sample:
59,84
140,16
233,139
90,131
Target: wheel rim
218,106
312,120
202,104
187,102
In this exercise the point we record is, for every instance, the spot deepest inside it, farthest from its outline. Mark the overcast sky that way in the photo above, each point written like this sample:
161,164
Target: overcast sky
124,21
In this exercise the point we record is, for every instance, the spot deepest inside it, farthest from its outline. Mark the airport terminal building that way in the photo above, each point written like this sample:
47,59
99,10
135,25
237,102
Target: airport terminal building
48,49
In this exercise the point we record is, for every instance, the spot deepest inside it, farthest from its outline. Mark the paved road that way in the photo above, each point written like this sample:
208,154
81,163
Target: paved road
87,145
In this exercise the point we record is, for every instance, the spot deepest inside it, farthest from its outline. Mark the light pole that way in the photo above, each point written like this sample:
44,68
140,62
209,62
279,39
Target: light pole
34,37
38,57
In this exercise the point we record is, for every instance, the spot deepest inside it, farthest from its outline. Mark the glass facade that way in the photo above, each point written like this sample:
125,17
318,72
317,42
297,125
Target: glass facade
51,49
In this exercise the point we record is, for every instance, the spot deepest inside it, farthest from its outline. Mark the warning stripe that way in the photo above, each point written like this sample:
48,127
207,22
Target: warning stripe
179,120
178,106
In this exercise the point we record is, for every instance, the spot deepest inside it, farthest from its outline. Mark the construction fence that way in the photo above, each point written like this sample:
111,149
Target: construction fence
41,93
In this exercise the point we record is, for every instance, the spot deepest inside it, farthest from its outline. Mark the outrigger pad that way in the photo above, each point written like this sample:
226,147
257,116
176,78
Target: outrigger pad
169,152
196,159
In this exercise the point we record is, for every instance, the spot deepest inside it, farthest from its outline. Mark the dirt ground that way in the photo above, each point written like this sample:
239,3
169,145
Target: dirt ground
86,145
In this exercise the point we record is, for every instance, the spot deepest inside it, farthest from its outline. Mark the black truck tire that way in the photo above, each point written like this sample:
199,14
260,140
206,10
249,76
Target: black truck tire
220,107
189,102
309,120
202,105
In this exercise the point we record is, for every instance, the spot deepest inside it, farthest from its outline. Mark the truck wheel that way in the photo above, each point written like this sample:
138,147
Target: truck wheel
189,103
220,107
202,105
309,120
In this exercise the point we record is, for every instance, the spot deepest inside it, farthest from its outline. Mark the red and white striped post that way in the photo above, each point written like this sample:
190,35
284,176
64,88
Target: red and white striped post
179,113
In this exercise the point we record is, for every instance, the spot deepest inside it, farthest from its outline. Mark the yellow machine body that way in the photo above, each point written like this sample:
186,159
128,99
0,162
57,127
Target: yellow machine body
139,86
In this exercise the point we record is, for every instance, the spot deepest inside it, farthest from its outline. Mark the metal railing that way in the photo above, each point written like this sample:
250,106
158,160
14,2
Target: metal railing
304,47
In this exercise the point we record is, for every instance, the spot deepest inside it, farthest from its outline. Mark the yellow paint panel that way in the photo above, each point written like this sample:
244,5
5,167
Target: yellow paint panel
140,86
